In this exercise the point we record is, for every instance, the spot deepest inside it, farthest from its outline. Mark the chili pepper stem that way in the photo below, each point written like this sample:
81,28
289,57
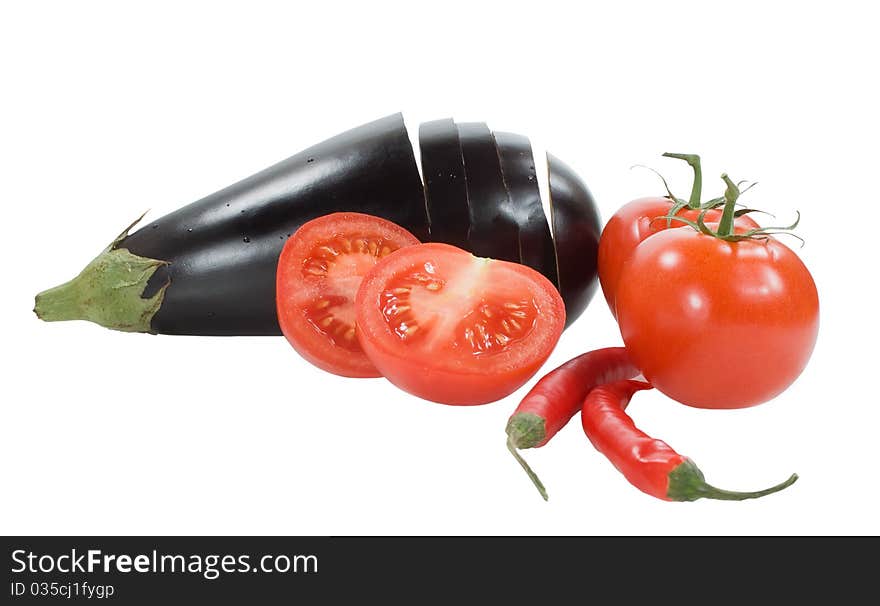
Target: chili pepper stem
686,483
526,430
712,492
532,475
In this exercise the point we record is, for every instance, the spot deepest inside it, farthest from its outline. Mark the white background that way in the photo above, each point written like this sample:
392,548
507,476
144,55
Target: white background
108,110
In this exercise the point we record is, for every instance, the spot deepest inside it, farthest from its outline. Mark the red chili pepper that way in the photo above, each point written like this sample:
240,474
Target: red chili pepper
649,464
558,396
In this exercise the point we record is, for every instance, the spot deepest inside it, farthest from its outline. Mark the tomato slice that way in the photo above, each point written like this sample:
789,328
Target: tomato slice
453,328
319,271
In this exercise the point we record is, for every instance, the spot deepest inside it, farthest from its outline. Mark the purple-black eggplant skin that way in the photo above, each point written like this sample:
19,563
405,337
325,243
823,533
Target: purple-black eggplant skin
445,182
576,231
492,232
521,181
222,251
209,268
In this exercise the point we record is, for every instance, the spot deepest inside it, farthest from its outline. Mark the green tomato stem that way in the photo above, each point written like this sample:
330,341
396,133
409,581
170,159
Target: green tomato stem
731,194
697,188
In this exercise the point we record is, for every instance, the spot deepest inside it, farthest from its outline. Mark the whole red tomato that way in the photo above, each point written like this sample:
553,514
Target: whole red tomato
634,223
717,320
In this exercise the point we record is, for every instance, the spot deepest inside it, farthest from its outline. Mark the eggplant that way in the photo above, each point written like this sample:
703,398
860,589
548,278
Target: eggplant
576,231
209,267
521,181
445,185
492,232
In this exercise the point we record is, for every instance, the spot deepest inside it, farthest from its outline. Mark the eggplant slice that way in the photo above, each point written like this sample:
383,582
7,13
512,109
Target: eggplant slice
211,264
493,232
576,231
520,179
445,182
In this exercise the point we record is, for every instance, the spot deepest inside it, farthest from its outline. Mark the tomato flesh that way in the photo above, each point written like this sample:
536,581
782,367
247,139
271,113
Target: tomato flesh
319,272
488,326
454,328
